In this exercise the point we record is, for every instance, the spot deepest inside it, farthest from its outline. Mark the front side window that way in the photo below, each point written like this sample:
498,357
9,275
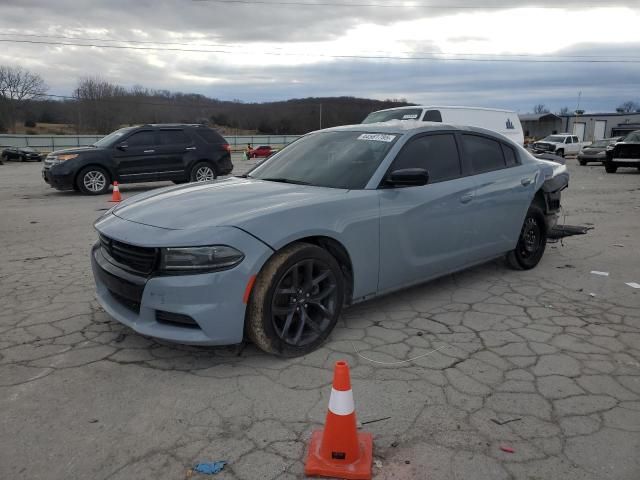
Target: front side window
339,159
575,139
141,139
485,154
437,154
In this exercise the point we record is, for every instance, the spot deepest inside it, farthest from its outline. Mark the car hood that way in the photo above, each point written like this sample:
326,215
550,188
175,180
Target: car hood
230,202
75,150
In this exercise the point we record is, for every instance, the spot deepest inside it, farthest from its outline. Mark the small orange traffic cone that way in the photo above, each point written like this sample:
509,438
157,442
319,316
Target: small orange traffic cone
115,196
339,450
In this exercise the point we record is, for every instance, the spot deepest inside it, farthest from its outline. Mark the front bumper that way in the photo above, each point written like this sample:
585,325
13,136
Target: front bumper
212,301
594,157
58,178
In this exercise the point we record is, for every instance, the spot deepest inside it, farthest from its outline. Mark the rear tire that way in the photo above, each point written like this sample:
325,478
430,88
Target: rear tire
93,180
582,162
202,172
296,301
531,242
610,167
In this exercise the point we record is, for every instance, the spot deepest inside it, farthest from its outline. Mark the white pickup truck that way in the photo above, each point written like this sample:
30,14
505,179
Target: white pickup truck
560,144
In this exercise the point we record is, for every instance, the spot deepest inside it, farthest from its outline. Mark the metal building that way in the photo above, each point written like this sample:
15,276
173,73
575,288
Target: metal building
539,125
594,126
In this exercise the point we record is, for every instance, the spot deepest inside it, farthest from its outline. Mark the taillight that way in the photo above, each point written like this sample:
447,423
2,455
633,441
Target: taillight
227,147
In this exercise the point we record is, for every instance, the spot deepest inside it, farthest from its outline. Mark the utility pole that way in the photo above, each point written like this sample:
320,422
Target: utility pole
320,116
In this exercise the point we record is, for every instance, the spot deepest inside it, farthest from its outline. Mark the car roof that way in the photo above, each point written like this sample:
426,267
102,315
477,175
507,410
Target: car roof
410,127
452,107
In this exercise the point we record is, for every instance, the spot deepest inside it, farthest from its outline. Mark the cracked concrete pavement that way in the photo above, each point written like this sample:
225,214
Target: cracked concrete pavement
546,362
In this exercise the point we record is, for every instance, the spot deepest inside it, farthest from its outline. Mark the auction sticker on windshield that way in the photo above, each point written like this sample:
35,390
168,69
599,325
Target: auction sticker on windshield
409,117
377,137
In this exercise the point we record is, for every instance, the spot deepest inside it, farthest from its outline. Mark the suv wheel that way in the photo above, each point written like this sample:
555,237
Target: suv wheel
560,153
202,172
582,162
93,180
610,167
296,301
532,241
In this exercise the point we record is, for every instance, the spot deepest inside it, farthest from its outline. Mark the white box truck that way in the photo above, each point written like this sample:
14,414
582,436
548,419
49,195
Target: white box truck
505,122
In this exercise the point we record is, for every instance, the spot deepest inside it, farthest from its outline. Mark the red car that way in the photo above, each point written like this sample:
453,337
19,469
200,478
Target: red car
261,151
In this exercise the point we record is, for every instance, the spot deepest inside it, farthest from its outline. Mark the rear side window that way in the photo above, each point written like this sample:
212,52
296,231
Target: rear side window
437,154
432,116
209,135
509,155
575,139
141,139
173,137
485,154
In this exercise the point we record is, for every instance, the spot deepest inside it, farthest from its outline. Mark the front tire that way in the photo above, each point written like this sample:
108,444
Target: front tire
582,162
532,241
202,172
610,167
560,153
296,301
93,180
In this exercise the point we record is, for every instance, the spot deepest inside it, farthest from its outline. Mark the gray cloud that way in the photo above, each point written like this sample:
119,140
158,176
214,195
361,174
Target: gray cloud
513,85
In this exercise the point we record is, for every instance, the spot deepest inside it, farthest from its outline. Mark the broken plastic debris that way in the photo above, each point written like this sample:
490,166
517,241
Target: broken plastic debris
592,294
618,245
209,468
633,284
604,274
507,449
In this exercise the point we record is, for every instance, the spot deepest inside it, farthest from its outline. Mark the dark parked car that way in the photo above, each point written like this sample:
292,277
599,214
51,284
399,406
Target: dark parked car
624,154
21,154
261,151
148,153
596,152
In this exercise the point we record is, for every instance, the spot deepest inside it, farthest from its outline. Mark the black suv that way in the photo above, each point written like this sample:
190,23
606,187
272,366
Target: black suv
623,154
147,153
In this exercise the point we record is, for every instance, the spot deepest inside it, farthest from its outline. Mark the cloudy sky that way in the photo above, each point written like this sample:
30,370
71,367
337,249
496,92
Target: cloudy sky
466,52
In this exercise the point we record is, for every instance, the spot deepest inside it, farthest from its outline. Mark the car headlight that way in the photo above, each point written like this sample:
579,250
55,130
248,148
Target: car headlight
199,259
66,156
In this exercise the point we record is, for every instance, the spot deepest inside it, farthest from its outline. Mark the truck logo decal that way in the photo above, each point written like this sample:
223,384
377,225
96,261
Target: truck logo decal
510,124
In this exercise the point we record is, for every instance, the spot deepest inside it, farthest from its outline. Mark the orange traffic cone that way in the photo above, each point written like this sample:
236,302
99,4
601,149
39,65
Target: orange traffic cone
339,450
115,196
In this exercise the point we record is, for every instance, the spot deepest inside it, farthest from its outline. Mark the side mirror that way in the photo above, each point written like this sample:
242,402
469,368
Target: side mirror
408,177
123,147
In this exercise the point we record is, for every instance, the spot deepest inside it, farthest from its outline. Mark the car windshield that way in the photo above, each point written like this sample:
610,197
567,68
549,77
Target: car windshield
112,138
339,159
28,149
600,143
396,114
633,137
554,138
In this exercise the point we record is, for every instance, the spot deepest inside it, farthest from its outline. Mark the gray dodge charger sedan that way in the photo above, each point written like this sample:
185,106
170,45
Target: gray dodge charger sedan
337,217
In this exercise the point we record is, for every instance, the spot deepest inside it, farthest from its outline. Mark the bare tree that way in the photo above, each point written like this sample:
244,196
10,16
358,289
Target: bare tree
100,104
564,111
540,108
18,85
629,106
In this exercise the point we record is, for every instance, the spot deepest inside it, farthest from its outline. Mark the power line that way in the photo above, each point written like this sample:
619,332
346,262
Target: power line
321,55
228,45
386,5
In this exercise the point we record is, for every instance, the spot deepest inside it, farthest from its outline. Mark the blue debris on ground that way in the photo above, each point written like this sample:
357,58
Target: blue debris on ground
209,468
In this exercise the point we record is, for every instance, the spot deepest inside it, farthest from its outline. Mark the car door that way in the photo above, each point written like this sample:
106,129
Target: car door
134,157
173,146
425,230
504,191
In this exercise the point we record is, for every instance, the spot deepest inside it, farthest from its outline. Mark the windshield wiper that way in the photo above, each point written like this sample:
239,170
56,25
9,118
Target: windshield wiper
285,180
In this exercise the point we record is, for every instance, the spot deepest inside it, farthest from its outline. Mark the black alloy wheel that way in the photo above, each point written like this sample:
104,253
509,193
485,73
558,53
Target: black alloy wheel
296,300
531,242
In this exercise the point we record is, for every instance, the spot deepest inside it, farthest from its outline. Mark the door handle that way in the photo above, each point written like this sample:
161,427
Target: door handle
149,151
526,181
190,148
466,198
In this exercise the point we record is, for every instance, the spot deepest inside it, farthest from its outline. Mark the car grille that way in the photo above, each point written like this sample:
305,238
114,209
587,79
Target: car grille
175,319
130,257
126,302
